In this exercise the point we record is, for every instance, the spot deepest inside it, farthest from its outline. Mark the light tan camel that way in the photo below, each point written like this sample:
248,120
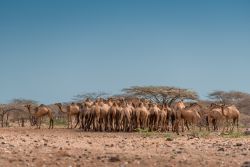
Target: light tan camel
112,116
154,116
230,113
142,114
127,109
104,110
95,115
176,116
84,112
190,115
214,117
40,112
163,115
72,110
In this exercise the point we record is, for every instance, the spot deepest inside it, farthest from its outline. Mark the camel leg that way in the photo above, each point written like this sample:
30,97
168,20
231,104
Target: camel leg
49,123
68,120
225,125
52,122
71,123
176,125
39,123
78,120
237,122
234,120
182,124
186,123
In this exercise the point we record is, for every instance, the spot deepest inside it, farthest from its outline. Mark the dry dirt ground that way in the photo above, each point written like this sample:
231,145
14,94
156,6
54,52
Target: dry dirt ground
65,147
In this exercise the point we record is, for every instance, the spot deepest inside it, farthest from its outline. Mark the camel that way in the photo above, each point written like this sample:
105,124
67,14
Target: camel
142,114
230,113
214,116
153,118
88,115
104,110
94,118
72,110
40,112
190,115
112,116
120,115
127,109
163,115
175,116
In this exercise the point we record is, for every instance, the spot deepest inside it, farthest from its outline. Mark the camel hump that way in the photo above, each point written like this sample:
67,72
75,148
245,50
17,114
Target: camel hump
36,109
42,105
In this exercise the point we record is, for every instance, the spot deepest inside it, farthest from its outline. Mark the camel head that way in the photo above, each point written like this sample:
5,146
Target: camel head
80,105
115,104
214,105
59,105
141,104
28,106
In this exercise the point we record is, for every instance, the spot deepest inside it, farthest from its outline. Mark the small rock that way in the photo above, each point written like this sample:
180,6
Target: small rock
169,139
238,144
114,159
247,131
221,149
3,142
178,152
246,164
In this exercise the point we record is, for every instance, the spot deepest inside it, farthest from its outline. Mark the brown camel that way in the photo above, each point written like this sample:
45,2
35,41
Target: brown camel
230,113
40,112
104,110
190,115
163,115
154,116
176,118
84,112
142,114
112,116
127,109
214,117
72,110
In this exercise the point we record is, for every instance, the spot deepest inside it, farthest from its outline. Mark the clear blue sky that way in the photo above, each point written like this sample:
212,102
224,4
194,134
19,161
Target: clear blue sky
51,50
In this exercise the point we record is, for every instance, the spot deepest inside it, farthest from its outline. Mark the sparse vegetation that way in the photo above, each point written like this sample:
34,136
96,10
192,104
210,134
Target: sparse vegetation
169,136
237,134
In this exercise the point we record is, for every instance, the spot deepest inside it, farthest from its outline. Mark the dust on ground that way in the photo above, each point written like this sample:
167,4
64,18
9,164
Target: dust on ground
67,147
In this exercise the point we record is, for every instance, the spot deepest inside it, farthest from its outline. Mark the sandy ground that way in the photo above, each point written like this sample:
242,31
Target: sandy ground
65,147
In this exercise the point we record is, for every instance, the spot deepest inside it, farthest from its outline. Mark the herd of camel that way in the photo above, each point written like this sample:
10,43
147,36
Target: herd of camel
127,115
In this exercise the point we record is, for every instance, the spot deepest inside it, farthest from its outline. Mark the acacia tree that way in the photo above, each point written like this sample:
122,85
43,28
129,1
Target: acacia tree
22,101
90,95
161,94
240,99
16,105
